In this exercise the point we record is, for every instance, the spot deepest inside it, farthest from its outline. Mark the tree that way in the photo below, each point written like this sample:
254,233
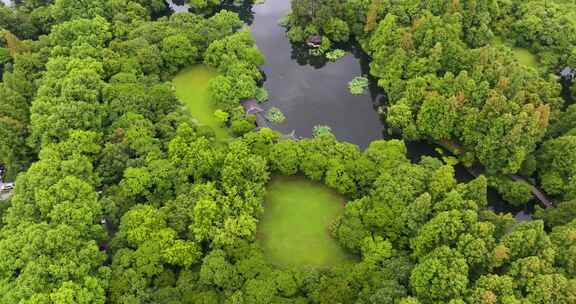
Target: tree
556,166
285,156
217,271
178,52
562,213
64,10
440,276
492,288
222,93
192,156
561,236
259,291
52,260
553,288
443,230
528,239
221,116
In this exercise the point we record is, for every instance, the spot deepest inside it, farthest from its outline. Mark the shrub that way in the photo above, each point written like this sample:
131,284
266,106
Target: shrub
296,34
221,116
241,127
261,95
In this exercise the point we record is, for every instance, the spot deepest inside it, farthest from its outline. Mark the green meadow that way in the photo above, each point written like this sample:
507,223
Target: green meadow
192,89
294,230
524,56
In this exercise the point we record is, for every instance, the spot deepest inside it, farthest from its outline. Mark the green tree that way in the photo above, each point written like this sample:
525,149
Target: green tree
440,276
178,52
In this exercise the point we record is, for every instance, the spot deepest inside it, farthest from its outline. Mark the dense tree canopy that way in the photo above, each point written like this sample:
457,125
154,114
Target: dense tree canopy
122,197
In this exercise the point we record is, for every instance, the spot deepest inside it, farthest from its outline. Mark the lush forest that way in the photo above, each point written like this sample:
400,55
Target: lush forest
121,196
454,74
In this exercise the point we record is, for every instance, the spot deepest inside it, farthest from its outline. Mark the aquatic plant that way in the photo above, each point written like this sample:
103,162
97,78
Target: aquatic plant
315,52
358,85
335,54
321,130
274,115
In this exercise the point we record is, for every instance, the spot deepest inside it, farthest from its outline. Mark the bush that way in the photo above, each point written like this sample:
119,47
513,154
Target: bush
4,55
221,116
284,21
241,127
296,34
261,95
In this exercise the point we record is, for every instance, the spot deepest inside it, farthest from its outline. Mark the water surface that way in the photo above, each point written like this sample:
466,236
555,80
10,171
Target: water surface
307,95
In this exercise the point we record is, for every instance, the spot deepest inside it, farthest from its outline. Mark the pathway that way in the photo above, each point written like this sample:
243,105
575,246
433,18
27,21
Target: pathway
476,170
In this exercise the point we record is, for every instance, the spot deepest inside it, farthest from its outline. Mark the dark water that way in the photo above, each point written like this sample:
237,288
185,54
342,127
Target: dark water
177,6
307,94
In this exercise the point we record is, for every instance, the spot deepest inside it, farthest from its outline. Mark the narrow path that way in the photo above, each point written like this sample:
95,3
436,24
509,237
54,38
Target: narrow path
535,191
476,170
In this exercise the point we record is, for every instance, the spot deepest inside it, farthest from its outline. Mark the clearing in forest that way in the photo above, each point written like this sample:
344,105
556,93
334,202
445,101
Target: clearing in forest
294,230
192,89
524,56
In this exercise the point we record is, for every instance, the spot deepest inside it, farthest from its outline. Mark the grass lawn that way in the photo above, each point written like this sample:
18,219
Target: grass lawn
523,55
192,89
294,228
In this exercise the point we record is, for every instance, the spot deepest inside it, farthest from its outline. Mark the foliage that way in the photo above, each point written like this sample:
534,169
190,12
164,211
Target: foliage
261,95
557,166
517,193
358,85
122,197
221,116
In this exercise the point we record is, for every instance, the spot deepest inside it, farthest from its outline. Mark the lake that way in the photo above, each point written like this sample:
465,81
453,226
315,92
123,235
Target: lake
312,95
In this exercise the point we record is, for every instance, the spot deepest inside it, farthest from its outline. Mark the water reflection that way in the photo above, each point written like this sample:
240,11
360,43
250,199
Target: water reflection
178,6
242,8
